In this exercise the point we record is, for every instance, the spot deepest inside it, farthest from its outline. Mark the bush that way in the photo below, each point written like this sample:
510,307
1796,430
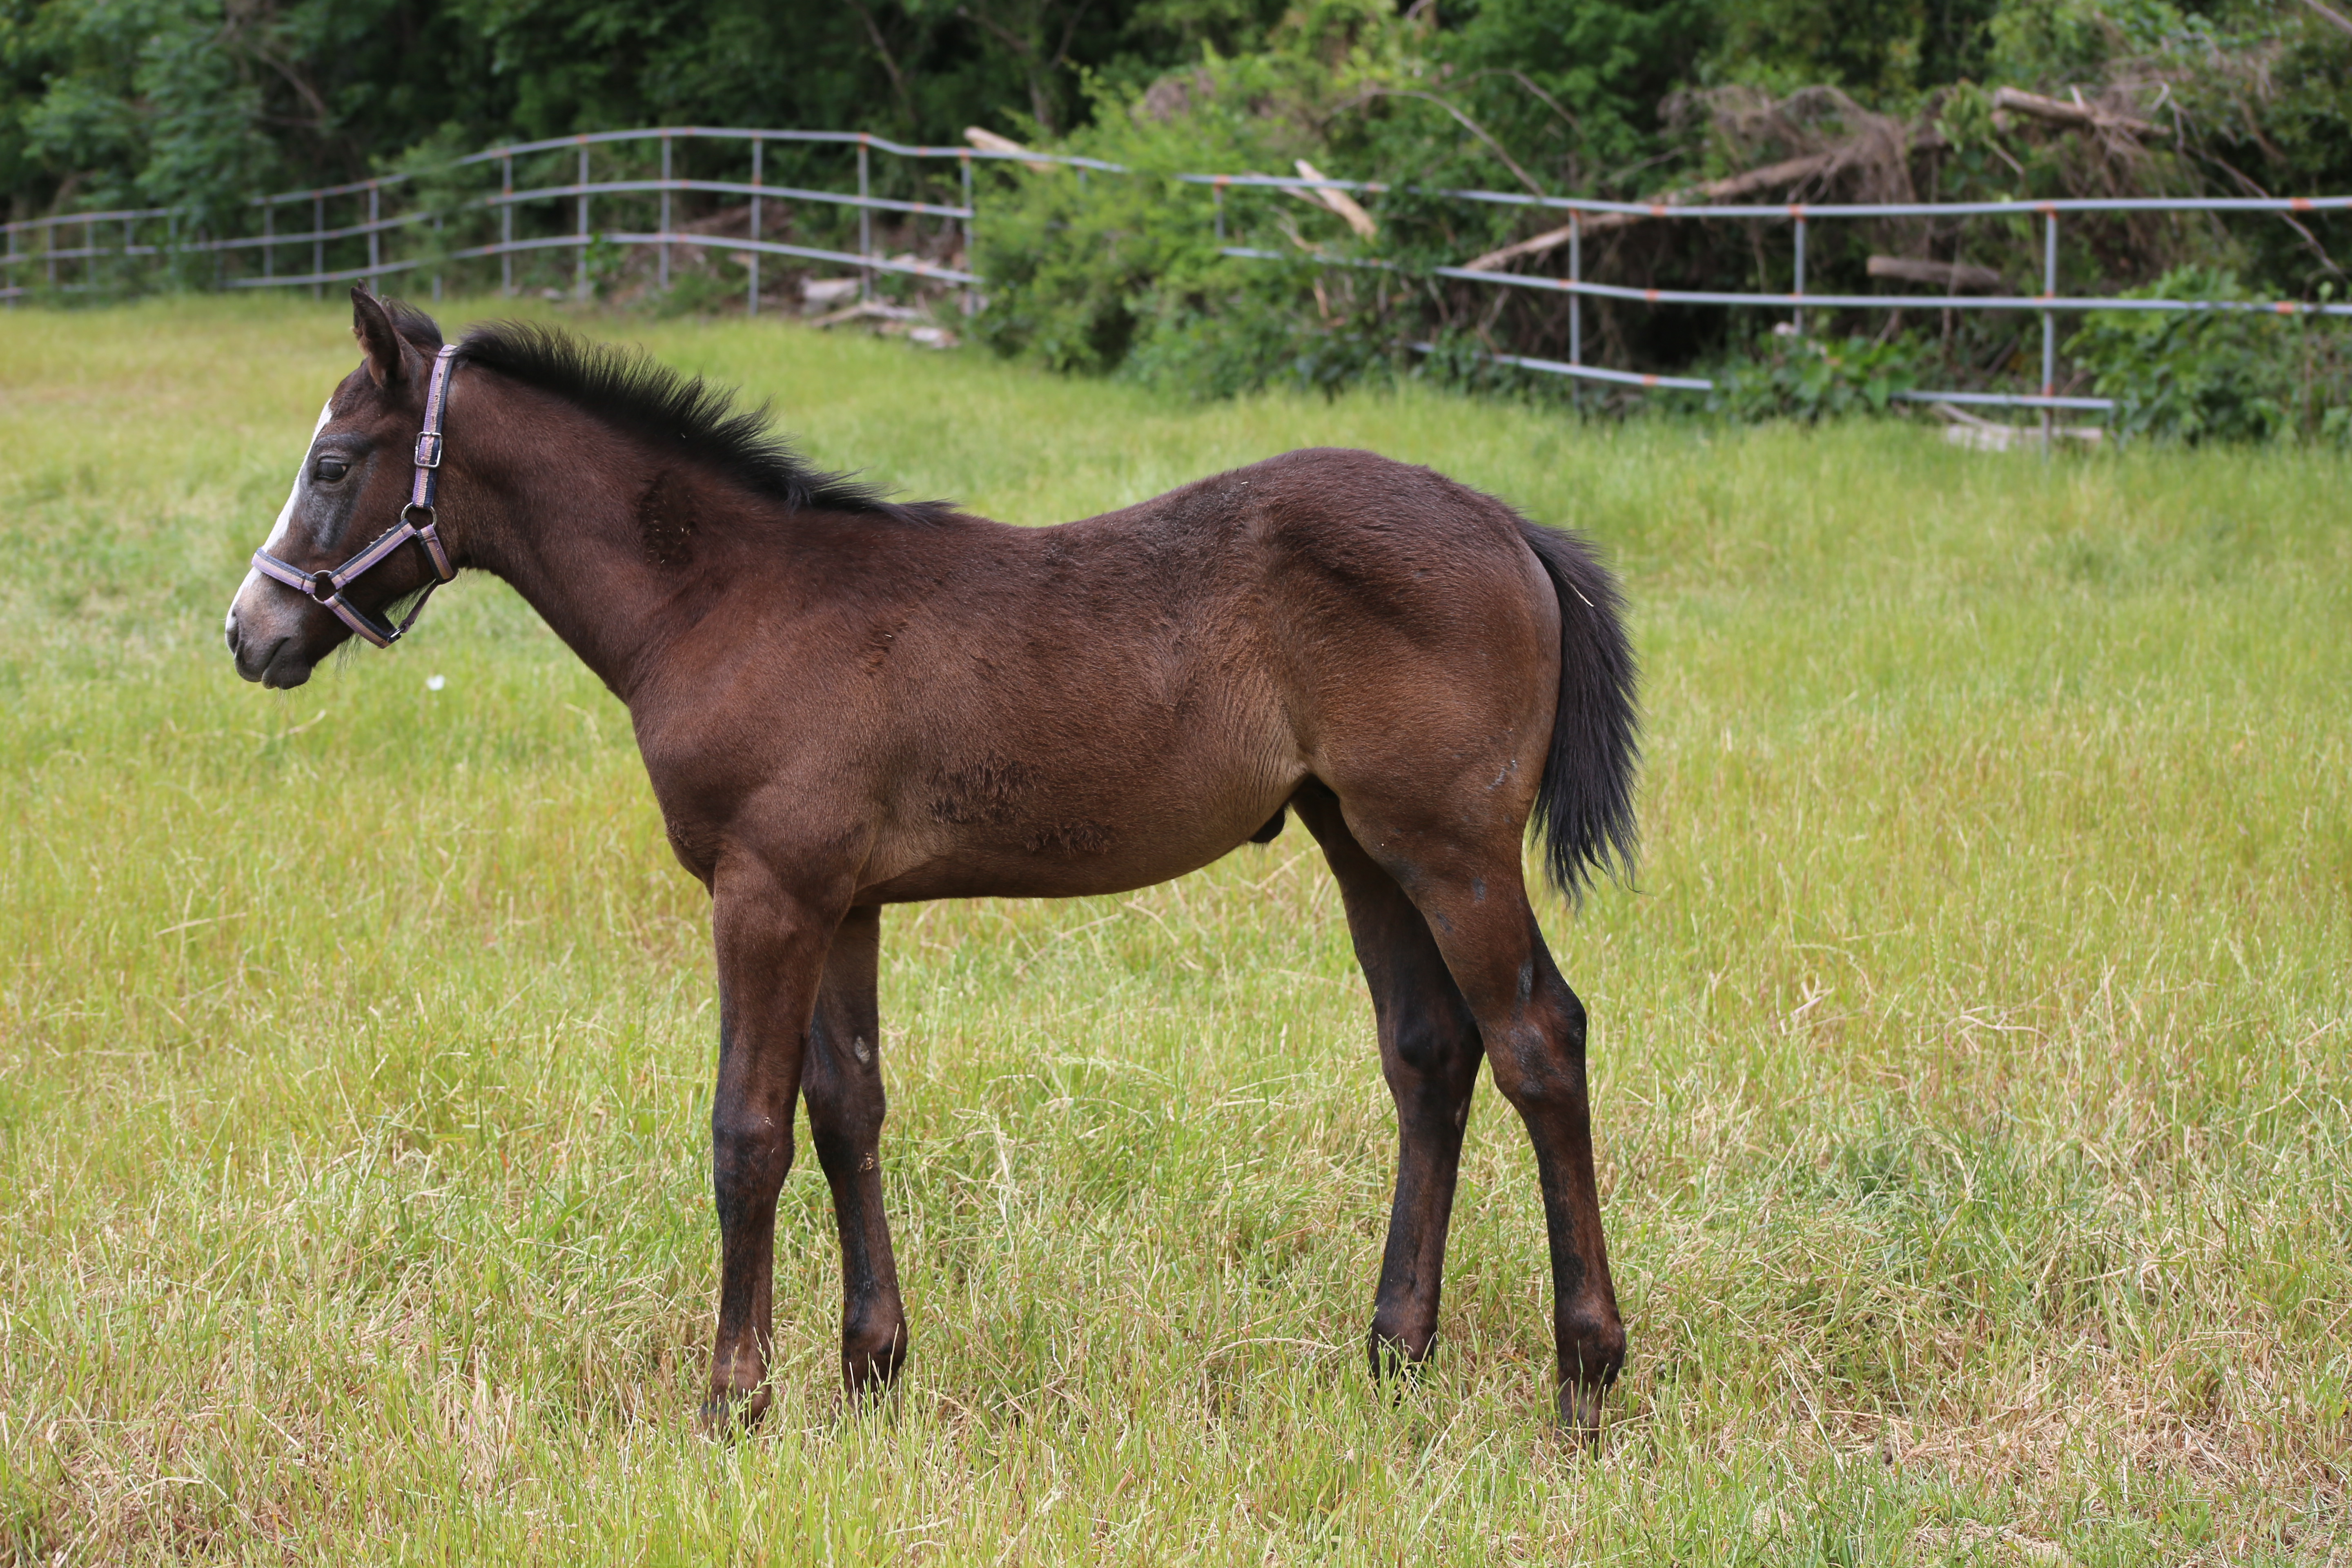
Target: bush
2217,375
1122,272
1811,378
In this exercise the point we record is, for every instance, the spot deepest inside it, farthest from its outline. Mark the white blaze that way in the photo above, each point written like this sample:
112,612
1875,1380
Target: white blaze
285,513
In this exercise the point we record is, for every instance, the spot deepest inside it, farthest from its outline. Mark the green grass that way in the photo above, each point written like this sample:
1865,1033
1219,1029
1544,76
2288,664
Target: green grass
1971,1083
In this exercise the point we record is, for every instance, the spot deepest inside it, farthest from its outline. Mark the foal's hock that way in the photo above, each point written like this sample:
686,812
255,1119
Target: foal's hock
844,702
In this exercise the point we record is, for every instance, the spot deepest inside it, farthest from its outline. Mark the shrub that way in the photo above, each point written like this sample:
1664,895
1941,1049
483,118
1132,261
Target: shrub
1122,272
1809,378
2217,375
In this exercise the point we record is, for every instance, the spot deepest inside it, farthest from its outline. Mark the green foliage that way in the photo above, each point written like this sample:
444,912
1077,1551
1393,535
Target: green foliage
2235,375
1126,275
1811,378
108,102
1881,50
1573,85
1099,274
1250,334
200,103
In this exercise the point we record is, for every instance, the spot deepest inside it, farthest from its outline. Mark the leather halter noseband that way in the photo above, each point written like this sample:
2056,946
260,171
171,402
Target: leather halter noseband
417,524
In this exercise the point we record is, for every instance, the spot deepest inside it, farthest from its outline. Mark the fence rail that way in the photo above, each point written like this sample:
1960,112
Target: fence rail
39,248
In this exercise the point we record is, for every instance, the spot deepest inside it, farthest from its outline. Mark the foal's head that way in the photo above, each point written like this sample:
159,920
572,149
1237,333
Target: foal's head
350,490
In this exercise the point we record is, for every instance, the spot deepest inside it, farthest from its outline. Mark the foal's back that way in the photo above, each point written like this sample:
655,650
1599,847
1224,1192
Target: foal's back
1111,702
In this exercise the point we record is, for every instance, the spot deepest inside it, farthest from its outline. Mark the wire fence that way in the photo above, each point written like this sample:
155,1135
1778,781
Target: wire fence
452,219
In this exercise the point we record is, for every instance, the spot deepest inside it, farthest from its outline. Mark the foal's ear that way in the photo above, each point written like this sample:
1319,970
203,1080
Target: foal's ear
371,324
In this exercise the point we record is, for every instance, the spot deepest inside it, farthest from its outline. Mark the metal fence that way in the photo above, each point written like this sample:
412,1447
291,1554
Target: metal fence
43,255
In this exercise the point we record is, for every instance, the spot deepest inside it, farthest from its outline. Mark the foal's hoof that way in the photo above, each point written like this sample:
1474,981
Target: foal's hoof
1579,1413
1397,1362
867,1381
870,1359
731,1412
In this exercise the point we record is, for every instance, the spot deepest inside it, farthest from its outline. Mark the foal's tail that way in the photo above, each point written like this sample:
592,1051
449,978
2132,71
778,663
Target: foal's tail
1584,804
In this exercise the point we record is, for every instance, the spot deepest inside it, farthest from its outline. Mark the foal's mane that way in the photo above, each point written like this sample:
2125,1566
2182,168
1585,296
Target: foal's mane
631,389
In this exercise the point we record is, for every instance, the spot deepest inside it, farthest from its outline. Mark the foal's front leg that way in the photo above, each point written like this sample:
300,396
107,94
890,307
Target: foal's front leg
843,1083
772,942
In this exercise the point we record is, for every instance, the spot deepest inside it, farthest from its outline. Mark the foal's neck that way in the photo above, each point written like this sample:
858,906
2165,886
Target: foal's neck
552,500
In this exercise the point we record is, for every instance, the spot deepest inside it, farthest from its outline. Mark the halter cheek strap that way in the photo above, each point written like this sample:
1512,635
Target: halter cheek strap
417,525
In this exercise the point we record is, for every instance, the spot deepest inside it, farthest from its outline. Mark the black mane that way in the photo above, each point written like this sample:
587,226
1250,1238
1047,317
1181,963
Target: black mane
413,324
632,390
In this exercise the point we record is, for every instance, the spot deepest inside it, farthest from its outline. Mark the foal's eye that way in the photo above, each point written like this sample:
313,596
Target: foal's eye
331,468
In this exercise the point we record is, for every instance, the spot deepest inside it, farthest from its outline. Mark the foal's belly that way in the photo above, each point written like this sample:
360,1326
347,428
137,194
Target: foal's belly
1026,830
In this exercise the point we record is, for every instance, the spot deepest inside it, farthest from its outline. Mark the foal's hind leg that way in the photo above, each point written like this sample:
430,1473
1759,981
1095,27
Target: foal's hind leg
1467,883
843,1083
1429,1054
1533,1027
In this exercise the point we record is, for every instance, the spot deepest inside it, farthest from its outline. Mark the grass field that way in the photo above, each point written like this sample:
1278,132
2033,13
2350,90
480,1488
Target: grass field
1971,1073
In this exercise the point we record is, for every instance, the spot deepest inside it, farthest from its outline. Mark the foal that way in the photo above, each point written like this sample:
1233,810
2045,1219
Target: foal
844,702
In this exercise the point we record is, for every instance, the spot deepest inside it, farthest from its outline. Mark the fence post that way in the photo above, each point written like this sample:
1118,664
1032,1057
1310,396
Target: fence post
758,147
971,297
375,248
865,224
664,215
437,271
1217,198
1797,316
505,225
1575,301
129,243
2049,326
580,268
268,233
318,244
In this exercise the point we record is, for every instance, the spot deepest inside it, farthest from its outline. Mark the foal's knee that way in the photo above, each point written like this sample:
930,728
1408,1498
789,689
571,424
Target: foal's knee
752,1153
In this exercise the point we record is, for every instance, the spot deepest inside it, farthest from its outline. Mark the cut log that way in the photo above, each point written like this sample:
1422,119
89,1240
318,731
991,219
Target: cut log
1965,429
1772,175
2075,116
1951,275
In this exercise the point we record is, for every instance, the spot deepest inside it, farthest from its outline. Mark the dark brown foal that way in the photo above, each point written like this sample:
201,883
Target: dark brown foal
844,702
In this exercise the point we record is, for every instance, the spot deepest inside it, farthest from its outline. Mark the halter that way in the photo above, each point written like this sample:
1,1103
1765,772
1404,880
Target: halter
326,588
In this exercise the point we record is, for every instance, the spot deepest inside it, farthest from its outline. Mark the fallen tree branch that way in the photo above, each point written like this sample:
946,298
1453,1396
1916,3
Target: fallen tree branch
2332,13
1950,275
2077,116
1322,200
1338,201
1782,173
1472,126
989,142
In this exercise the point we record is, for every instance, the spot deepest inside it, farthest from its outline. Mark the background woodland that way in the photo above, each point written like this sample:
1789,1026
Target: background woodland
202,102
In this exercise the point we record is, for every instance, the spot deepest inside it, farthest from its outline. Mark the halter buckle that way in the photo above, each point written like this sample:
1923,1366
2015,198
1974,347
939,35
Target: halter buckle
428,448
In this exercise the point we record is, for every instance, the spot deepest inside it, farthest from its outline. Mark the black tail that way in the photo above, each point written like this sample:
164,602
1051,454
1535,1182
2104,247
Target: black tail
1584,807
